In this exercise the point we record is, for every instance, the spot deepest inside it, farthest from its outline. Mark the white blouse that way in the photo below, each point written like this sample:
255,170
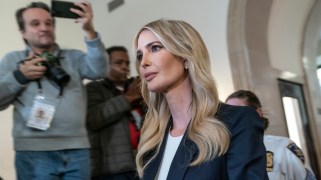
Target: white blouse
170,150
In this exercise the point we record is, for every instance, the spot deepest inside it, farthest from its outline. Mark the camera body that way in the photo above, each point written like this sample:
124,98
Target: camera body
54,72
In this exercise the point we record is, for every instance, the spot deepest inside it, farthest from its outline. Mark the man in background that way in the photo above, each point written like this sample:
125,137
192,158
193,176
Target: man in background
285,160
47,79
114,118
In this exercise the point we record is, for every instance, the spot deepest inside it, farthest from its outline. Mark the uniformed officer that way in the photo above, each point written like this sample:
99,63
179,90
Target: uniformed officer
285,160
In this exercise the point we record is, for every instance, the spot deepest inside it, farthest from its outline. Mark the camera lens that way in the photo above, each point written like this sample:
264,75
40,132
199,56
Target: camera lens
59,76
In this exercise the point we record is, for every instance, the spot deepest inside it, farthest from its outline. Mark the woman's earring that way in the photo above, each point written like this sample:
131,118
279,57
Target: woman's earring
185,64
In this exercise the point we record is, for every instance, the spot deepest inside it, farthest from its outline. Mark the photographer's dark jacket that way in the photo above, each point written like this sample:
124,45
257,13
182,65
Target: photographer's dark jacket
67,130
108,119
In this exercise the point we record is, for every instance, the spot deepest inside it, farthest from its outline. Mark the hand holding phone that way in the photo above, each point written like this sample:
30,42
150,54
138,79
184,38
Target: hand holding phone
62,9
81,11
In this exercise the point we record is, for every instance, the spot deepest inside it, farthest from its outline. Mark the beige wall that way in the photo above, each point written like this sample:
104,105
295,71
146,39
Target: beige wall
6,155
285,31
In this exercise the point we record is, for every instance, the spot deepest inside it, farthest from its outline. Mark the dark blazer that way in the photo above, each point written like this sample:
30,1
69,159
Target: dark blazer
244,160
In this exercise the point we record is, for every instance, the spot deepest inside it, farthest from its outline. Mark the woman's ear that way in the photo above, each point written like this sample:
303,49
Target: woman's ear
185,64
259,110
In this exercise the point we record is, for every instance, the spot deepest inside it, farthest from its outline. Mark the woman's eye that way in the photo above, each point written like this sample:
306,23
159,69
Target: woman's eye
139,56
155,48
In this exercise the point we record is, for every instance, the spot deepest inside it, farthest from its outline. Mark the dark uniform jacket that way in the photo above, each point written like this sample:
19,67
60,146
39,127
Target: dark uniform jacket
108,129
245,159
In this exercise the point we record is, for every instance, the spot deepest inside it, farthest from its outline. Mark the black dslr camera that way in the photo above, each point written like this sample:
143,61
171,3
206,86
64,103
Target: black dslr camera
54,71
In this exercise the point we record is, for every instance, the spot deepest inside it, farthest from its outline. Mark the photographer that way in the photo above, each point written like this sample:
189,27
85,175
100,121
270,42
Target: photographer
46,79
115,114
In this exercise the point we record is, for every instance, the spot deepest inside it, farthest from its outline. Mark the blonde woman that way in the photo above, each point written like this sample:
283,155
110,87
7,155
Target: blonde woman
187,133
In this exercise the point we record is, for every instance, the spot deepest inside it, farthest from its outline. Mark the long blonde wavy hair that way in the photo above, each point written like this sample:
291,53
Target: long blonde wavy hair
209,134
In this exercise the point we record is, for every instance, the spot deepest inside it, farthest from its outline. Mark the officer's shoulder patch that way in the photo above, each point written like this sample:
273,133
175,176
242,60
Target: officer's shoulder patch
269,161
297,151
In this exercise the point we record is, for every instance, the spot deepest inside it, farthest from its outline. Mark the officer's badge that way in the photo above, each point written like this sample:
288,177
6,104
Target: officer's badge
269,161
297,151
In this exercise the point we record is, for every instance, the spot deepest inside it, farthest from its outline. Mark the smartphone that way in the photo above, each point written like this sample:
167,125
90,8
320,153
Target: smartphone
62,9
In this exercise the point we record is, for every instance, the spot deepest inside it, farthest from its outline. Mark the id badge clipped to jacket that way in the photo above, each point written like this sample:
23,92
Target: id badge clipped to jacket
42,112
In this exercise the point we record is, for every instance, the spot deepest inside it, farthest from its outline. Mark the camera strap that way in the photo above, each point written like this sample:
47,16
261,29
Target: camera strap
61,88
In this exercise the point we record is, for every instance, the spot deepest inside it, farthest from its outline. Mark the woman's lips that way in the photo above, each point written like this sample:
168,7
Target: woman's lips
149,76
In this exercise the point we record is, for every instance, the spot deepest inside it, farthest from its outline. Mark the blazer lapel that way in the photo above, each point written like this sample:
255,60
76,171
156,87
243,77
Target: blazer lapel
185,154
152,169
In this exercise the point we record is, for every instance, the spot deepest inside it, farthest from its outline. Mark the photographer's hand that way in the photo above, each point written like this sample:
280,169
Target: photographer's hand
133,91
86,18
31,70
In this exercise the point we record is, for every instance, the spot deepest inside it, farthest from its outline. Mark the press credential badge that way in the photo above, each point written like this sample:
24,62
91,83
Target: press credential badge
42,112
